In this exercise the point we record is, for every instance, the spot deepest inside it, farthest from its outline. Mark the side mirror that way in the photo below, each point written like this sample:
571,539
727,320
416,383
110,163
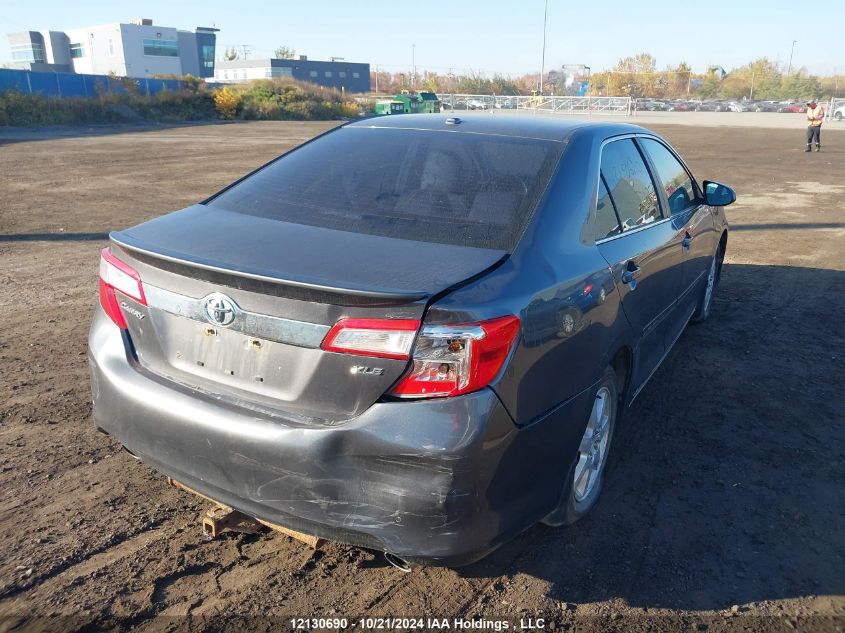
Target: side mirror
718,195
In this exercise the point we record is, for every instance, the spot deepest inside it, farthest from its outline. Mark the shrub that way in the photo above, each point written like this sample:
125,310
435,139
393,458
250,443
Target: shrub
176,106
349,109
287,99
227,102
190,83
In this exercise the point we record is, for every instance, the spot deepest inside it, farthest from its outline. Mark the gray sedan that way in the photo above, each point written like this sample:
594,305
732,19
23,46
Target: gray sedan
415,334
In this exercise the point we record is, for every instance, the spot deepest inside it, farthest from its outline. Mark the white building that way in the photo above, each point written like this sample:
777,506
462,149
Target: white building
137,49
338,74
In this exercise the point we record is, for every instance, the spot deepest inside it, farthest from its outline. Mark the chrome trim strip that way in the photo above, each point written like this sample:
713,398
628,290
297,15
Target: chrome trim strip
627,232
453,331
262,326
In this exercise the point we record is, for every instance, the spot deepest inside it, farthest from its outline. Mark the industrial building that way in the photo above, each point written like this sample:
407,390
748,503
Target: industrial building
137,49
342,75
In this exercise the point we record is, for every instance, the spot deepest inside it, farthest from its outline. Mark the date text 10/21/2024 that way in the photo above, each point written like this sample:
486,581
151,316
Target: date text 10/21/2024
423,624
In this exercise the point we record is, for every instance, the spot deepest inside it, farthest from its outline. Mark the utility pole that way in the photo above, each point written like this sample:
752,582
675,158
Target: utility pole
789,70
543,55
414,67
376,78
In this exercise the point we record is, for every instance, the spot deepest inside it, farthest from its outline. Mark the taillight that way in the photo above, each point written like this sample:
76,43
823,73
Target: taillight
115,275
382,338
451,360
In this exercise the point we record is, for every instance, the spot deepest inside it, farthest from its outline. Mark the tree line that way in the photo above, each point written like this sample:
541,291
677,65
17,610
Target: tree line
635,76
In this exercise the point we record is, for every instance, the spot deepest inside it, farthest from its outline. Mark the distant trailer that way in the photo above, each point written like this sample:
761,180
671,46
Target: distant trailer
389,106
409,104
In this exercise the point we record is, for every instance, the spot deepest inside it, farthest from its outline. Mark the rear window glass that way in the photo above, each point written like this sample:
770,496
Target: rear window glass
432,186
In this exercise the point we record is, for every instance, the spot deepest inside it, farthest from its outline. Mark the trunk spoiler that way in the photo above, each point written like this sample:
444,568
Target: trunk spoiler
231,276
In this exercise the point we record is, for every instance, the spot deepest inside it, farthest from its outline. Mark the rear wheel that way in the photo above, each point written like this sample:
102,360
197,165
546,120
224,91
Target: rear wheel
584,480
838,116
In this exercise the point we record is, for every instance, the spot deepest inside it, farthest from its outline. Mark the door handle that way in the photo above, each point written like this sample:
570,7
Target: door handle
687,241
632,271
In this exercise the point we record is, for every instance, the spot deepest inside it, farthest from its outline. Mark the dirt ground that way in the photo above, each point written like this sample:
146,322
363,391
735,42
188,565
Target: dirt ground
723,505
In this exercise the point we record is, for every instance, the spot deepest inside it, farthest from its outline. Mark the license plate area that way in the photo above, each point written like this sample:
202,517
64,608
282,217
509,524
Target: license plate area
226,355
248,369
234,360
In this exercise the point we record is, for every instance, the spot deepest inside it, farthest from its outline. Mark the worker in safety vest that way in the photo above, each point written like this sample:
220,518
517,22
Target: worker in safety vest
815,117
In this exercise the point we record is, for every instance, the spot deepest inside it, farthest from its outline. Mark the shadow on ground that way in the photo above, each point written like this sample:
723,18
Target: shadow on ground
726,481
12,134
54,237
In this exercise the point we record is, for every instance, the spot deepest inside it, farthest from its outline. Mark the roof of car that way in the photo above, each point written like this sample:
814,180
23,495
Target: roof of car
551,128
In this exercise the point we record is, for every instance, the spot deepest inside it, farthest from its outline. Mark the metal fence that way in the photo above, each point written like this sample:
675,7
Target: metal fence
618,106
60,85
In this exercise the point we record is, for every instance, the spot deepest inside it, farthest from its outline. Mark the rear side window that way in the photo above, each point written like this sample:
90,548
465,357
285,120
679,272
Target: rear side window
431,186
676,181
607,224
628,181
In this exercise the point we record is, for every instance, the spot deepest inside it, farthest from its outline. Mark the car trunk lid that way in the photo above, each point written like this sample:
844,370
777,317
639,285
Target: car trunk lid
277,288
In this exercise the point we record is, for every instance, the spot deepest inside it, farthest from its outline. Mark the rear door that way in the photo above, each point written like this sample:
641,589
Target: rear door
691,219
642,248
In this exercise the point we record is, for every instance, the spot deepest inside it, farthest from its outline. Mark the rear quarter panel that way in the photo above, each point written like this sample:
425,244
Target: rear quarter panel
562,289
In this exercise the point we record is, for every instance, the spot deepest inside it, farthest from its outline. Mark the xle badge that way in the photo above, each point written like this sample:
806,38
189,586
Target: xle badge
370,371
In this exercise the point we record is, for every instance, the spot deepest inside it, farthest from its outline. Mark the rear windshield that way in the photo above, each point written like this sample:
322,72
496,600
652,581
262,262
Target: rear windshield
432,186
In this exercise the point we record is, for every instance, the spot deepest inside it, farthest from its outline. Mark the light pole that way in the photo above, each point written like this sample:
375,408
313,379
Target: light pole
789,70
543,56
414,66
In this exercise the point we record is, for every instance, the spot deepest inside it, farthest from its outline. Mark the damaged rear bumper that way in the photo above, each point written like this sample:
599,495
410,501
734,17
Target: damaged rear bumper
443,481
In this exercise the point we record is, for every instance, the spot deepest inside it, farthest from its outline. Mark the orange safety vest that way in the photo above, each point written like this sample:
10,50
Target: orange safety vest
815,116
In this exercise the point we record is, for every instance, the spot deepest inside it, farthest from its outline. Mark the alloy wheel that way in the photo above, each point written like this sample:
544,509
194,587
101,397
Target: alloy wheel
592,452
711,281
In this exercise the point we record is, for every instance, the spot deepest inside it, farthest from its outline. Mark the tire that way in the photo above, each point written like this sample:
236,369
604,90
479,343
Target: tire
838,116
584,479
705,302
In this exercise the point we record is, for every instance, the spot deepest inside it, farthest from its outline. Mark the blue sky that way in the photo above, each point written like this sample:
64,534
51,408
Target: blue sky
485,36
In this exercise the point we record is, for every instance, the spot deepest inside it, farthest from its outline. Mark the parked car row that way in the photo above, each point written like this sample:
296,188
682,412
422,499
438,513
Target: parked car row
719,105
506,103
646,105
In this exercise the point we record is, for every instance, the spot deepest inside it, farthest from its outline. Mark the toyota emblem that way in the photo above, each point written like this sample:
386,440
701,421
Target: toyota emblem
220,309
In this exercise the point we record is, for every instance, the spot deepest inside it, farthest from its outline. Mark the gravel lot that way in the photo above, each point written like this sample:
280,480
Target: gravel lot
723,506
